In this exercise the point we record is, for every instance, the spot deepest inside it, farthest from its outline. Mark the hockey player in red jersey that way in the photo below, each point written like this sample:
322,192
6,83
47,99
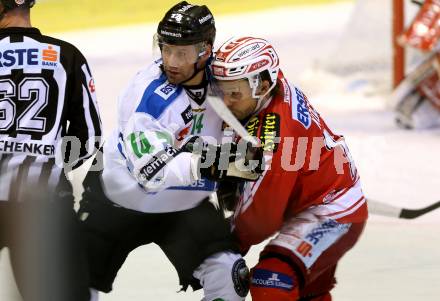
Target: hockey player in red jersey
309,195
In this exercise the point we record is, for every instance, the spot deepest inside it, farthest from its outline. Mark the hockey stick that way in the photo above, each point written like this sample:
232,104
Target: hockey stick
383,209
222,110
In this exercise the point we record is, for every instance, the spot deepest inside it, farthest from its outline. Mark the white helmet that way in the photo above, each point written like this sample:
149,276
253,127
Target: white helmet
246,57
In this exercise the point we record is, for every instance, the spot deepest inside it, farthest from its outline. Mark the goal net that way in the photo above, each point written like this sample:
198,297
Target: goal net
362,58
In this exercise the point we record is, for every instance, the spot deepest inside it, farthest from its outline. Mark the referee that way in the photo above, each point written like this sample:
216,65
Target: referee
49,124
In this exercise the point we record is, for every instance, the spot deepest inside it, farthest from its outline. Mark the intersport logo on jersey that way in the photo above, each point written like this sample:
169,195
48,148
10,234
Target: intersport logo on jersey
29,55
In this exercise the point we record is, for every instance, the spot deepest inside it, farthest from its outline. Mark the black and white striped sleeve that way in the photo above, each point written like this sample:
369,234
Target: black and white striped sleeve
85,125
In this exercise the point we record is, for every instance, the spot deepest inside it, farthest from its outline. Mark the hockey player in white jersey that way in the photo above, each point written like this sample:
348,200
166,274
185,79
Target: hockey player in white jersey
153,189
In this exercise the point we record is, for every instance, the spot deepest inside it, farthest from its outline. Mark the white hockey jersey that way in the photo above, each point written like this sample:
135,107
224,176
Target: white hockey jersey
155,117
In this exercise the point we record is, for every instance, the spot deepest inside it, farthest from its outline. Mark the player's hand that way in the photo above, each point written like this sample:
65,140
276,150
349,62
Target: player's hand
247,164
228,161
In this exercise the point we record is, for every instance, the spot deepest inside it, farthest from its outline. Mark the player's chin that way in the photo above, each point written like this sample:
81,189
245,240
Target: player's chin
238,114
174,79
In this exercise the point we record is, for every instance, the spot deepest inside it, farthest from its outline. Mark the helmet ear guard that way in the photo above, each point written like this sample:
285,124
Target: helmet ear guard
270,78
256,84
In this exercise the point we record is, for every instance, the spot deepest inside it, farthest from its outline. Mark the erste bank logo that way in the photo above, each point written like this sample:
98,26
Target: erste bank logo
50,56
22,55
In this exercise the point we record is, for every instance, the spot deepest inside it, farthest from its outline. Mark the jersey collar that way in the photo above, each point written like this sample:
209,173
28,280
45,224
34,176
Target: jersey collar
20,30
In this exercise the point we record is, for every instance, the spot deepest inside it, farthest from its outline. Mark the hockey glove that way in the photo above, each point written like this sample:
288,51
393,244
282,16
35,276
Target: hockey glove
228,194
229,161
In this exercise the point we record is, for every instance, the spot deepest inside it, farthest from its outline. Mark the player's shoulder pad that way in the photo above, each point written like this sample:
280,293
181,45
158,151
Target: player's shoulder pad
158,95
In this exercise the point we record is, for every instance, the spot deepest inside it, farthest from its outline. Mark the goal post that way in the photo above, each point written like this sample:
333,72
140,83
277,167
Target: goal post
398,51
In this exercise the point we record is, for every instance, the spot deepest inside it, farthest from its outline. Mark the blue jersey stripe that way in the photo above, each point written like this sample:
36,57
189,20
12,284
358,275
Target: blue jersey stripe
200,185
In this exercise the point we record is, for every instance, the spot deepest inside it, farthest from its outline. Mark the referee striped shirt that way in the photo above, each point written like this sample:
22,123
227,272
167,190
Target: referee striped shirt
47,94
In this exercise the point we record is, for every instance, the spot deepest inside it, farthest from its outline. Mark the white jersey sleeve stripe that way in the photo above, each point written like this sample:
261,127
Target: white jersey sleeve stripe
9,174
350,210
89,122
92,94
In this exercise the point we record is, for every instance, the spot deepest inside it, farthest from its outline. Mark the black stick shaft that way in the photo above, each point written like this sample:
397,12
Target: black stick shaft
414,213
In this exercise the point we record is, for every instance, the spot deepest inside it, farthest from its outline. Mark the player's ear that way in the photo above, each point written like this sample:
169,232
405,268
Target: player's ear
264,87
204,58
208,51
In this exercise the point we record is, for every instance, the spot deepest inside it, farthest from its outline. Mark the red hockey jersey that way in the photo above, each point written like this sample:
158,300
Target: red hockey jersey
307,167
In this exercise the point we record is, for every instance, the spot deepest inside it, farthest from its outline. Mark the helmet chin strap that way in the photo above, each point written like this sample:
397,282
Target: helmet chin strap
196,71
260,99
2,13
